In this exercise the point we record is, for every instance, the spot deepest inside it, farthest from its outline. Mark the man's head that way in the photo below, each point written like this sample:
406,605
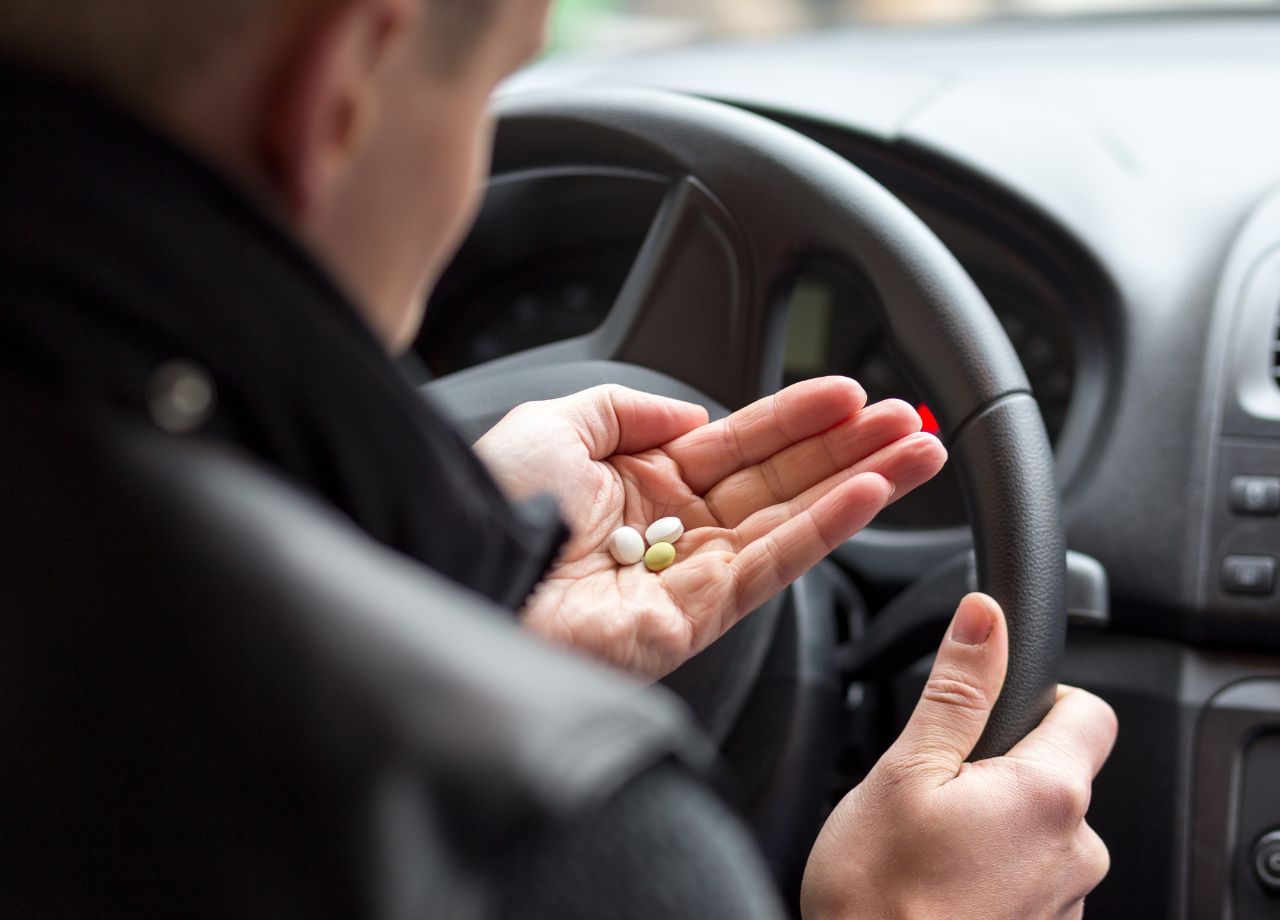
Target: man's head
364,121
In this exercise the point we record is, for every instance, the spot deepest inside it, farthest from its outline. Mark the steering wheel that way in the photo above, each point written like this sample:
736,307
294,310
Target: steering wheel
701,317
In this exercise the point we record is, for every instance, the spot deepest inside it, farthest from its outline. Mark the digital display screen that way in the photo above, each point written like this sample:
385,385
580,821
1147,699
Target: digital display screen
809,330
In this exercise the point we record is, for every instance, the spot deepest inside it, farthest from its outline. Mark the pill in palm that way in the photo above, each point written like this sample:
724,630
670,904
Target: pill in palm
659,556
627,545
666,530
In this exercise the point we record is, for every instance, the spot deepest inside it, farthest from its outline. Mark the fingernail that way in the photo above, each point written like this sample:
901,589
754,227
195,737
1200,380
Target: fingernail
972,623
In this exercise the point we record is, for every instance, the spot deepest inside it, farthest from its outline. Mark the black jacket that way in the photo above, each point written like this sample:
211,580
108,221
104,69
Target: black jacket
123,257
246,664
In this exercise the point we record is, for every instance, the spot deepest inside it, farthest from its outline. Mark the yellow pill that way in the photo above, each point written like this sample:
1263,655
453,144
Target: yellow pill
659,556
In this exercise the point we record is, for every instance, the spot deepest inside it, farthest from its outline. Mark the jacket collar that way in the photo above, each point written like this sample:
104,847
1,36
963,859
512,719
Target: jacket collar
123,256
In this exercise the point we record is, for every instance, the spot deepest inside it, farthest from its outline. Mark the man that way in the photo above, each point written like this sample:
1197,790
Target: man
219,220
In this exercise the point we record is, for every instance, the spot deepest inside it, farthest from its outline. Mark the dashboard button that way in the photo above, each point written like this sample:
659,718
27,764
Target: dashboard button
1255,494
1266,861
1249,574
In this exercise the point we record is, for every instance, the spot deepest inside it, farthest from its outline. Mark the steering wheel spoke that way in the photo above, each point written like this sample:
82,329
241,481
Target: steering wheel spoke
684,305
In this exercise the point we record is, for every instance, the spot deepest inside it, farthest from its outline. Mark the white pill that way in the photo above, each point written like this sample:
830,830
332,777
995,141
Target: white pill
667,530
627,545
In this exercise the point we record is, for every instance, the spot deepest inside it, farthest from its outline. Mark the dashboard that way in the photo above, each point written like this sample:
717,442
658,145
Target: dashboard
552,293
561,281
1091,175
1111,186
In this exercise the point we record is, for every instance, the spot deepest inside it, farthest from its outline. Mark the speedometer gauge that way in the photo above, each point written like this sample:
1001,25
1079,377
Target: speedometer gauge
834,329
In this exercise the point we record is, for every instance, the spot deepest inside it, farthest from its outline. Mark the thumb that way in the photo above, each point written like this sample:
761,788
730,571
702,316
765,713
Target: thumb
963,686
618,420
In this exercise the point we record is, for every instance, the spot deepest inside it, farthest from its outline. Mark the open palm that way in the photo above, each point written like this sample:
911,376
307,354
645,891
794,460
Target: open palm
763,495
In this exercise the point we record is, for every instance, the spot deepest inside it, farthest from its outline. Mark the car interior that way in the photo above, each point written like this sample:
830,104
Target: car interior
913,207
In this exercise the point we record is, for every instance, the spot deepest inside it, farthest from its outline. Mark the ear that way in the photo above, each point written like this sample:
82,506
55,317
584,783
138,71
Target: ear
324,100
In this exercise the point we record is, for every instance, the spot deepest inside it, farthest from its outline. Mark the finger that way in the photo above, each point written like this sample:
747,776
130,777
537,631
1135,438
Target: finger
765,566
712,452
963,686
906,463
1079,732
617,420
792,470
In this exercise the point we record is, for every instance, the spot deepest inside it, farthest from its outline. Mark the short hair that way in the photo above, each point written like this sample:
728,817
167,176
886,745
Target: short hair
132,47
135,48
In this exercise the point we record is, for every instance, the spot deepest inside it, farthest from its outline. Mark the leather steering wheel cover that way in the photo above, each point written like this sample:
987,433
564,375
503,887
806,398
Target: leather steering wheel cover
1021,555
795,199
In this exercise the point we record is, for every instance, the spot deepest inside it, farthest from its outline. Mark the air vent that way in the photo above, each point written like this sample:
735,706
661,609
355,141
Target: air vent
1275,352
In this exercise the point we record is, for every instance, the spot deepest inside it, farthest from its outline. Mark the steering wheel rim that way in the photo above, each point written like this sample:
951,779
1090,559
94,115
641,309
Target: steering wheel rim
747,202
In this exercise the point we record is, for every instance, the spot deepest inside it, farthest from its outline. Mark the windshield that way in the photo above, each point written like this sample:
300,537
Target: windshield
620,24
